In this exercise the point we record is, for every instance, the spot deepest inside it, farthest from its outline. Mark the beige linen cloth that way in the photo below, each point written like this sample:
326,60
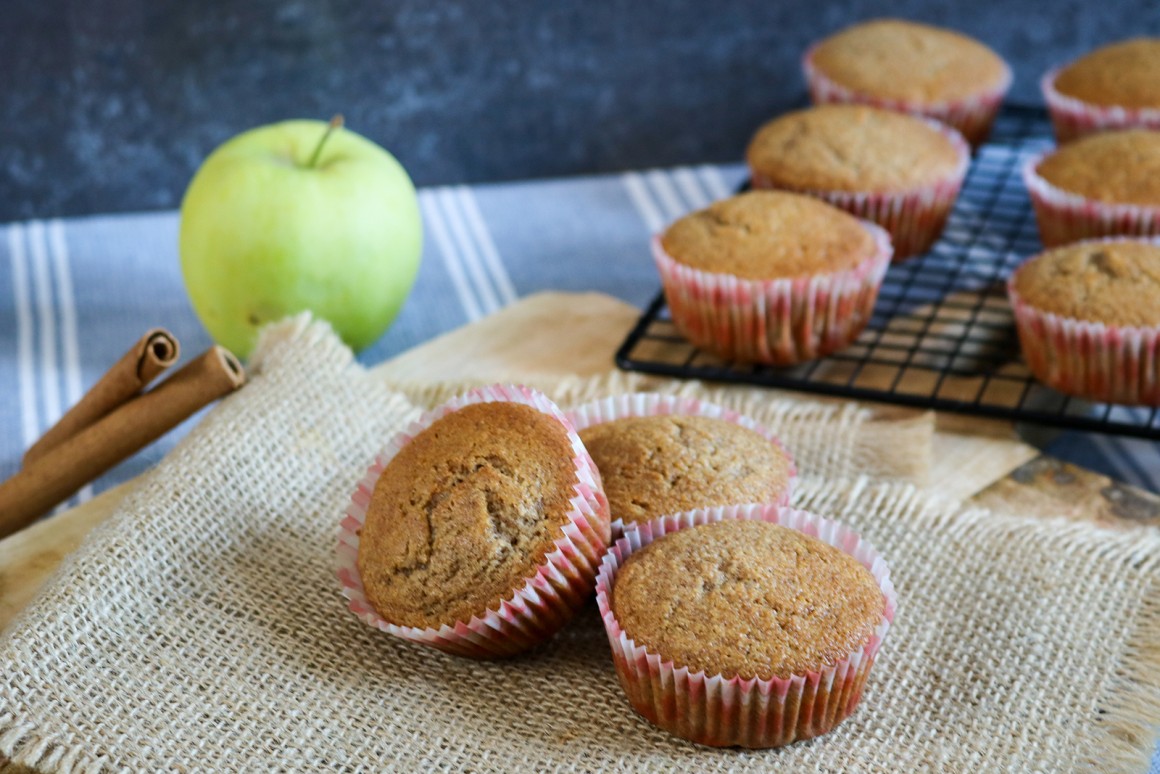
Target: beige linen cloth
201,629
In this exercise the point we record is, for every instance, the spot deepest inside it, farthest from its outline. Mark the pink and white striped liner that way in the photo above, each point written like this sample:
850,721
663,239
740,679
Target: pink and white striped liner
717,710
546,600
1114,364
915,217
1065,217
971,116
777,321
1073,118
651,404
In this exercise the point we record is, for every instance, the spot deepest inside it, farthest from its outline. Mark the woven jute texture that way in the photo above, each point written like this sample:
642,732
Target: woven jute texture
201,629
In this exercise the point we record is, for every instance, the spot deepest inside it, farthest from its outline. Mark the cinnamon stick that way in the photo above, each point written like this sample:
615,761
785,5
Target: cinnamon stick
62,470
156,351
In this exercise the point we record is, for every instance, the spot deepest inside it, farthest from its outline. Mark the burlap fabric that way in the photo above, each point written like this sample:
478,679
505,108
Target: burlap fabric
201,629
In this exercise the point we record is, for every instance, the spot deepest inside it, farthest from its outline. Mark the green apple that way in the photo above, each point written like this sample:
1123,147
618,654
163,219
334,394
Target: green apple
294,216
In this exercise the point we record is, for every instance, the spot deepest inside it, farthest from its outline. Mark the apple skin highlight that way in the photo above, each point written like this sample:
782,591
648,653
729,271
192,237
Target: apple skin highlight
264,235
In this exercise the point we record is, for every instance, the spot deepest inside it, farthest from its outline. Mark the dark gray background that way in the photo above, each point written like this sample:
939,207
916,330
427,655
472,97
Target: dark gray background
109,105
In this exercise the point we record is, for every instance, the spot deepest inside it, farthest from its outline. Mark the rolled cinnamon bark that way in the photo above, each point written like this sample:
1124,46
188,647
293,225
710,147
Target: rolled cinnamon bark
64,469
156,351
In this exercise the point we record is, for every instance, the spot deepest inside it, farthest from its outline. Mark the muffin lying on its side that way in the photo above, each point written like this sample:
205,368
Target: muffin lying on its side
479,531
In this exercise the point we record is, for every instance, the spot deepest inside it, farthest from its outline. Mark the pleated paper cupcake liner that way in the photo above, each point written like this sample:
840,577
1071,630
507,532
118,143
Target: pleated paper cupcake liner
543,602
915,218
972,116
779,321
1107,363
720,710
1073,118
1065,217
647,404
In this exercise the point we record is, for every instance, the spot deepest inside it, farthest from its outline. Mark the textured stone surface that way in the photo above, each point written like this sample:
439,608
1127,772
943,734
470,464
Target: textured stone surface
109,105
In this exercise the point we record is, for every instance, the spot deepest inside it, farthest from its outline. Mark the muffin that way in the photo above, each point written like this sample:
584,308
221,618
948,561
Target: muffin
479,530
1088,317
913,68
1106,184
659,454
899,171
1114,87
771,277
735,626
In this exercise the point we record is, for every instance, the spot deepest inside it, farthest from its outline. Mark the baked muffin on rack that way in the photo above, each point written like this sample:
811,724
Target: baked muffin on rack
1114,87
771,276
1088,317
913,68
899,171
1104,184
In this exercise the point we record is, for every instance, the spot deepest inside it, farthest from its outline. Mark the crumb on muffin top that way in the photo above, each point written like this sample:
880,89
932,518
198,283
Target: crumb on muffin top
746,598
1115,282
852,148
762,235
464,513
905,60
656,465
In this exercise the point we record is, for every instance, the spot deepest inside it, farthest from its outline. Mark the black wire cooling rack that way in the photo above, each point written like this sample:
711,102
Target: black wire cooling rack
942,335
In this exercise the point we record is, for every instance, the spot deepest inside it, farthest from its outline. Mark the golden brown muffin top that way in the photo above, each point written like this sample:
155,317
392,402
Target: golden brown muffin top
904,60
748,598
761,235
1116,283
1125,74
1121,167
464,512
652,466
852,148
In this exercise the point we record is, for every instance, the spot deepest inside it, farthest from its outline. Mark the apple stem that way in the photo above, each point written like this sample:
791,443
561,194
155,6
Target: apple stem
335,123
